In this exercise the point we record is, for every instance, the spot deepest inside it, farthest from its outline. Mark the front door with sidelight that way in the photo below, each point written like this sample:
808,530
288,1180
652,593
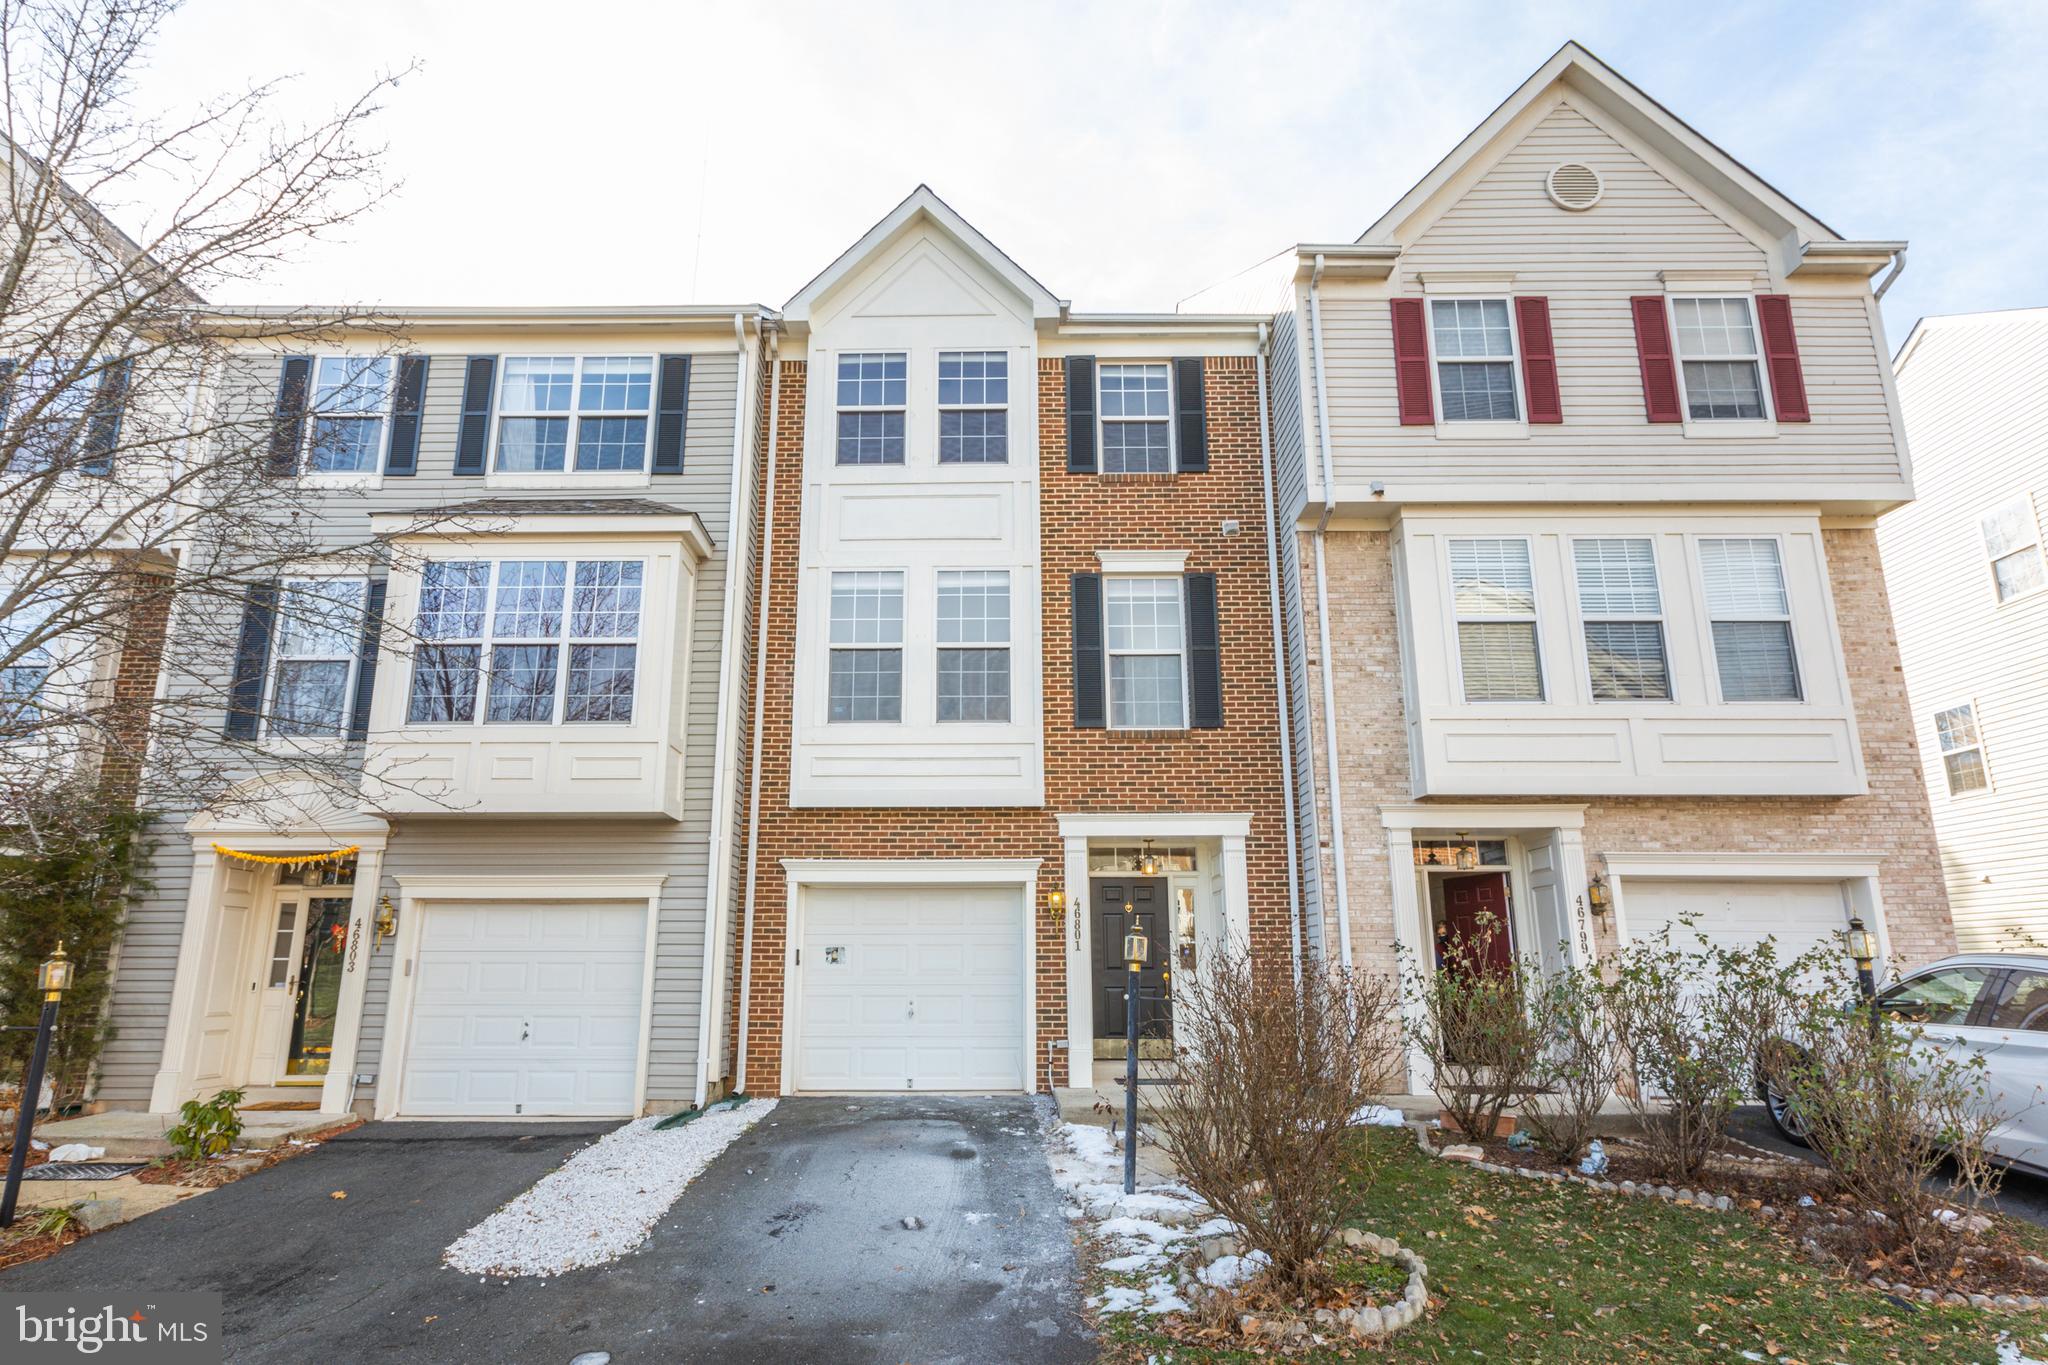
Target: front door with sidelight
1150,913
300,988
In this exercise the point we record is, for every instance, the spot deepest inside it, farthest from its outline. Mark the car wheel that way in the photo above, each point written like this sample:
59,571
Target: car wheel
1784,1117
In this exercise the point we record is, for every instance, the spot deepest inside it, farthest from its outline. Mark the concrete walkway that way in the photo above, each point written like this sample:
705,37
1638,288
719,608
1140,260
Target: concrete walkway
126,1133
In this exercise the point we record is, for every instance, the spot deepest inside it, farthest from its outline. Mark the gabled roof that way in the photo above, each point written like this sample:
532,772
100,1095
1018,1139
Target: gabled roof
1660,130
105,229
923,205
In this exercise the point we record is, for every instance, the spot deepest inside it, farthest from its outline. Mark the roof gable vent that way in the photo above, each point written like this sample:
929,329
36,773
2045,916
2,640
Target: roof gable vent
1574,185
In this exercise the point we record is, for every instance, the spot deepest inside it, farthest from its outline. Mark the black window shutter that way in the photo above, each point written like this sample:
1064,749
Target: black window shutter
1190,418
252,661
477,381
366,661
1081,415
1091,701
1205,659
672,414
103,422
403,461
288,422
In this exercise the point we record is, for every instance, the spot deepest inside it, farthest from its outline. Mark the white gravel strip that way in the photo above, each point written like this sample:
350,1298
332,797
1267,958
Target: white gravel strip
603,1201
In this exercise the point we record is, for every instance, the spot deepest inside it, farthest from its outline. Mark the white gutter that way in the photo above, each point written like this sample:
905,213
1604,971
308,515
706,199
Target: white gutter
1898,269
1294,902
738,546
1328,670
739,1065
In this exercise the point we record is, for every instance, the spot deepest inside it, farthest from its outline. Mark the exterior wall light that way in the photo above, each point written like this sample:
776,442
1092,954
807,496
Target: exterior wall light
1596,894
53,978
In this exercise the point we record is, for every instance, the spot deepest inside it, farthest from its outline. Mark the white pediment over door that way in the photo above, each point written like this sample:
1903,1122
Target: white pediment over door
924,286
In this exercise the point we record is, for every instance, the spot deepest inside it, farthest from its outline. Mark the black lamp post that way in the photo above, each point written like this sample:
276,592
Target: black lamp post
1136,949
53,978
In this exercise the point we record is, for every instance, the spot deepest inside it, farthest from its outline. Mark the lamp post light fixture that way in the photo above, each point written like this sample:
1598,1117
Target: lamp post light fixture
1863,952
53,978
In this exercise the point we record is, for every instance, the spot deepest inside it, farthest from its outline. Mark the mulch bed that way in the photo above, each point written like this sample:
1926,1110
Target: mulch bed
1991,1261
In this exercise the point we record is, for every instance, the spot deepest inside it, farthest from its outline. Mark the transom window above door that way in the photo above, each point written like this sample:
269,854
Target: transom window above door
874,388
1720,363
1474,343
1137,419
589,414
526,641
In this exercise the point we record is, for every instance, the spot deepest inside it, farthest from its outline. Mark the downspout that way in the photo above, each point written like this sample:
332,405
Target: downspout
1294,902
739,1071
1898,269
1315,344
719,871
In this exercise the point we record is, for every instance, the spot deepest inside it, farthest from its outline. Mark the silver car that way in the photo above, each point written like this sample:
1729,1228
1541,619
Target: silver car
1995,1005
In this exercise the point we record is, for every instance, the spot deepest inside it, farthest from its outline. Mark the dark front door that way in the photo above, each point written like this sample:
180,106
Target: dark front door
1151,916
1475,929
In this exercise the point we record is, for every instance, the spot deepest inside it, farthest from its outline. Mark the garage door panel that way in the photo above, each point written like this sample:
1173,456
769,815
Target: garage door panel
526,1010
1797,915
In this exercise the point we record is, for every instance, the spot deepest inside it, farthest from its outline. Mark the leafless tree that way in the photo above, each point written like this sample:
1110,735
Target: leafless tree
143,478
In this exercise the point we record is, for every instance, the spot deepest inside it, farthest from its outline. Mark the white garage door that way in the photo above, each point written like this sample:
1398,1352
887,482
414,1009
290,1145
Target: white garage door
526,1009
1735,914
911,989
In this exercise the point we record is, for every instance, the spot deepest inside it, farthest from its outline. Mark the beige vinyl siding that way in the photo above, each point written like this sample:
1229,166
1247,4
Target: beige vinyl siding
455,844
1975,395
1589,265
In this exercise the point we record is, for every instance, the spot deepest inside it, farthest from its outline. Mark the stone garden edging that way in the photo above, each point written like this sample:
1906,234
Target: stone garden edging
1719,1203
1365,1324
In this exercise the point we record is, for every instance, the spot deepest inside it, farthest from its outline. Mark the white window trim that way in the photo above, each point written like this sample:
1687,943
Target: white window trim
568,476
904,408
1983,751
902,645
371,478
1790,618
1180,598
1477,428
940,409
1660,618
1709,428
1008,644
2026,499
1170,420
272,740
1534,617
563,641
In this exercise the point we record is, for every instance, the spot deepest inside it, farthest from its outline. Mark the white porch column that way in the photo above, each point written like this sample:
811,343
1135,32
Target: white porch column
195,947
1412,951
1075,929
1237,895
1571,871
362,948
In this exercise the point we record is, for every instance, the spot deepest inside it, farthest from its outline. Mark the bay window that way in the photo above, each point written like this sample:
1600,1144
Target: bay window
1622,611
1493,591
1751,617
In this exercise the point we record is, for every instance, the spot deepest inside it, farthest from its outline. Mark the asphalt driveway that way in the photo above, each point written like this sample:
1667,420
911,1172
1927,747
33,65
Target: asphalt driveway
791,1246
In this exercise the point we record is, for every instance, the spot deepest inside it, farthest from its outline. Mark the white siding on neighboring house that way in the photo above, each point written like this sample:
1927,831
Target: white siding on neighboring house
1975,394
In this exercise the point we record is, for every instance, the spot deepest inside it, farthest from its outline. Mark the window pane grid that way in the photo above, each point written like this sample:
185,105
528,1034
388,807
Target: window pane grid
864,682
350,397
974,609
1143,636
873,389
1136,405
2012,539
1718,354
319,629
598,405
1962,751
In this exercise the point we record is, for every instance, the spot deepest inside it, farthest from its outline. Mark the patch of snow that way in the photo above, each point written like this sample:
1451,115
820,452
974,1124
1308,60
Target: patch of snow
1379,1116
1142,1260
2009,1353
1155,1298
1225,1271
601,1203
1141,1229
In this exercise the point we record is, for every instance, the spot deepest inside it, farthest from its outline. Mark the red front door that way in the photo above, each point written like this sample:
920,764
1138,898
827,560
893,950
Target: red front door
1475,928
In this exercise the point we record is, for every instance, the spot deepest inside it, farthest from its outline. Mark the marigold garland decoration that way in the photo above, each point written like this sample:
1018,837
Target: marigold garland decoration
335,855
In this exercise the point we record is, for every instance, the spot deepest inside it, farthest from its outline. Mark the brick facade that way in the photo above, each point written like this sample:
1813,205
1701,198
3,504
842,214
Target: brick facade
1236,769
1892,819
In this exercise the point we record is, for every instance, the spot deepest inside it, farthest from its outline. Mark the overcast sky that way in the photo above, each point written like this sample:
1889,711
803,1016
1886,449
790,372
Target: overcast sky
1126,154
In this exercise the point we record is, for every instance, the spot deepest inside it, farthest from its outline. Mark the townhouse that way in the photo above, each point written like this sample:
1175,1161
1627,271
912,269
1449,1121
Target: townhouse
524,633
1583,442
1963,563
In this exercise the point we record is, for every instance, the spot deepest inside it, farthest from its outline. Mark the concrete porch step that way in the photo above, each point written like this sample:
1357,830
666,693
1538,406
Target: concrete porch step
139,1136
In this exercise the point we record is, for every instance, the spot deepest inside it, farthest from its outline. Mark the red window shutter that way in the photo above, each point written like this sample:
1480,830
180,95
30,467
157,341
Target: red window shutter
1411,364
1781,353
1539,359
1653,350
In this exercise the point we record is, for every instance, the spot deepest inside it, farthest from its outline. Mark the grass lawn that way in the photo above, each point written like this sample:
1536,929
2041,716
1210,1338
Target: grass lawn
1528,1271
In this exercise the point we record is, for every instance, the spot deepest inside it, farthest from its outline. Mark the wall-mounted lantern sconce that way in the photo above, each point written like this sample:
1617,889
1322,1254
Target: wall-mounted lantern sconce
387,919
1596,894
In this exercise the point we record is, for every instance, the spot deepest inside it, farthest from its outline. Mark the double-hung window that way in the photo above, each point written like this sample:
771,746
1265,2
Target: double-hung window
1475,360
1719,360
874,388
866,678
1623,613
351,398
1962,750
1146,643
974,416
1751,617
974,645
1136,404
1493,592
563,412
45,414
2012,541
312,673
537,641
26,661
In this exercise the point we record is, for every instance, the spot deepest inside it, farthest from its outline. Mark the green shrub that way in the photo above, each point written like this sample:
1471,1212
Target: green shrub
209,1127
